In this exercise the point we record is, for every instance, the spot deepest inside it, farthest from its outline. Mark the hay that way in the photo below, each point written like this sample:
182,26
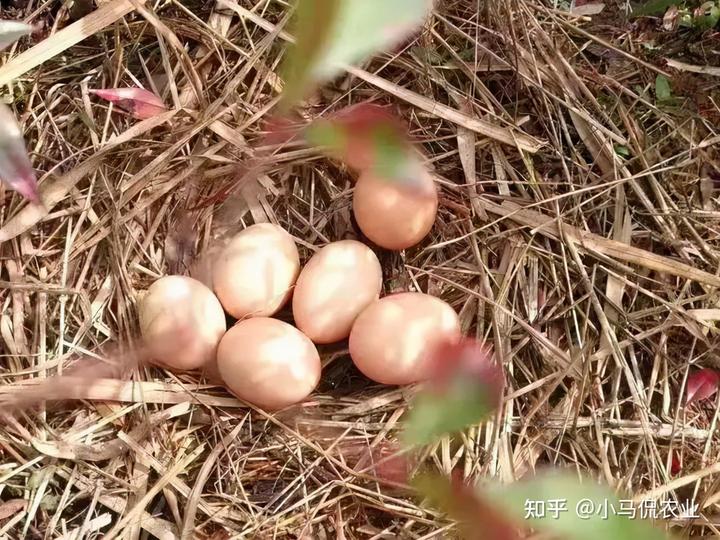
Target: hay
577,232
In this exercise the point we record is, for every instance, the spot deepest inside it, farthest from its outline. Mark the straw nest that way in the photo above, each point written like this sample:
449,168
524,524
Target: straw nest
577,232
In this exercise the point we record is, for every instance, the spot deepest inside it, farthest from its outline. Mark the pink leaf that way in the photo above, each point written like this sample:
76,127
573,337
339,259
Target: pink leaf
15,167
139,102
586,8
701,385
11,507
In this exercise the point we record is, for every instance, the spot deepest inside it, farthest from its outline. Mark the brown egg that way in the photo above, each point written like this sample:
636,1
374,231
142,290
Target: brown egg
268,362
254,274
182,322
390,339
337,283
394,216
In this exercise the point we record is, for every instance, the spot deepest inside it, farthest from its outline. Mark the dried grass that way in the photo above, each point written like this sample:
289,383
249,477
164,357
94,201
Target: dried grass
593,275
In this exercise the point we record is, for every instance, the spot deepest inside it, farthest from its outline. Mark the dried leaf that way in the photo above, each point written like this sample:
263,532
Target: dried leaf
332,33
11,507
116,363
701,385
15,167
671,19
11,31
582,9
139,102
463,388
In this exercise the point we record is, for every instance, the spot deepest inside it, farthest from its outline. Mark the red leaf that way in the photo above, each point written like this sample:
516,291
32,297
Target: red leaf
701,385
280,130
370,139
15,167
675,463
465,358
478,519
390,464
139,102
357,123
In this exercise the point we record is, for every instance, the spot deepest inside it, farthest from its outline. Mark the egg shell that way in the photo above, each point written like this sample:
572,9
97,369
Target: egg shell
268,362
390,339
395,216
254,274
182,322
335,285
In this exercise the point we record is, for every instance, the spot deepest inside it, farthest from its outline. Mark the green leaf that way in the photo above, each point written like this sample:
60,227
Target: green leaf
662,88
315,21
332,33
465,385
707,16
589,509
328,135
622,151
652,7
714,16
50,502
465,402
393,156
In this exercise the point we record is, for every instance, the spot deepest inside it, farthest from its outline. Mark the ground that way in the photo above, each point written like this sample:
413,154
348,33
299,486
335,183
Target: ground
585,248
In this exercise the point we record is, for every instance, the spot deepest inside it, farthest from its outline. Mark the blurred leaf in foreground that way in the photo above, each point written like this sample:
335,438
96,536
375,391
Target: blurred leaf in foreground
570,508
15,167
478,520
464,387
11,31
331,33
315,21
139,102
368,138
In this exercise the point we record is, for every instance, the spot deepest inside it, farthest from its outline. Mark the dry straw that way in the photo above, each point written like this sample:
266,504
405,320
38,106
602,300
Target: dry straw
578,232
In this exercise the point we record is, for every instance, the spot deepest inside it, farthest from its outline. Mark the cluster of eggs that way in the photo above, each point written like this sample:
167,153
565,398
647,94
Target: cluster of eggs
336,296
